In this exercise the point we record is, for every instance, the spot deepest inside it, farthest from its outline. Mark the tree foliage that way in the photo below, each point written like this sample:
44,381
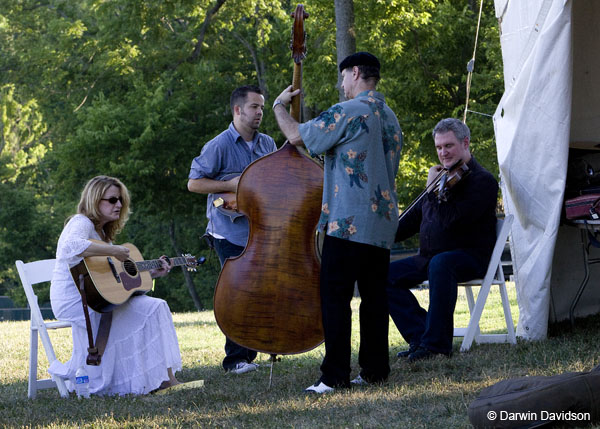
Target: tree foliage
134,90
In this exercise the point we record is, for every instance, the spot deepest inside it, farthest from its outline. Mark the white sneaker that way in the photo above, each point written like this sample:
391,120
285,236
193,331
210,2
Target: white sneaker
243,367
359,381
319,387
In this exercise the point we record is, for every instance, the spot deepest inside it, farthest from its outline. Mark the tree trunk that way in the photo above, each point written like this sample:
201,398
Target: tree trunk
209,16
259,65
345,34
186,274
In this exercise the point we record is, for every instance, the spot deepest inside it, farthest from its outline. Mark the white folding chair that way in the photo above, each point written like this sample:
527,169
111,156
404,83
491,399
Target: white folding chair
493,276
34,273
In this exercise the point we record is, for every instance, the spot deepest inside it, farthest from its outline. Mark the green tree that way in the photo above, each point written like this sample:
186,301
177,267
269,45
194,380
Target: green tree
25,215
426,48
135,89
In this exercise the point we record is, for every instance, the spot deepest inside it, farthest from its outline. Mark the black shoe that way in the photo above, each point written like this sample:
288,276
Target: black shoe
406,353
422,354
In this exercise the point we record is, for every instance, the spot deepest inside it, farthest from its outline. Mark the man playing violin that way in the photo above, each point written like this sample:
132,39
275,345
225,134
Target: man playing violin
457,233
361,140
216,170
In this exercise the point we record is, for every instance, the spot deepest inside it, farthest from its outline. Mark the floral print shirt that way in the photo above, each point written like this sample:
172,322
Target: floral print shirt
361,140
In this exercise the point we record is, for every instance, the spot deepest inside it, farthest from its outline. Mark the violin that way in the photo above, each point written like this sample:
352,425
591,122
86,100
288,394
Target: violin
441,184
449,177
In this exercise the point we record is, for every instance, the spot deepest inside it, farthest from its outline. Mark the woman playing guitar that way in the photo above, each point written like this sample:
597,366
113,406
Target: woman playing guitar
126,367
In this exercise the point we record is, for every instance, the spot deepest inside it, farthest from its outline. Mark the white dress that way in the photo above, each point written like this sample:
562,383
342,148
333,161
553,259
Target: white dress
142,343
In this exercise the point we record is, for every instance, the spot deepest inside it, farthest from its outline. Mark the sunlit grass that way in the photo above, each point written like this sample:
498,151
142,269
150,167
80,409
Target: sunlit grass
429,394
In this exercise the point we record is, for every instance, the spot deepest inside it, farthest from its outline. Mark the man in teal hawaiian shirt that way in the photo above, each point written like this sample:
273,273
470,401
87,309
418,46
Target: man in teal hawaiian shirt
361,140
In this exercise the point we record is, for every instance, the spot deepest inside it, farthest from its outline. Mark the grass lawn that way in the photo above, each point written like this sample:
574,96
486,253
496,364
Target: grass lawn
430,394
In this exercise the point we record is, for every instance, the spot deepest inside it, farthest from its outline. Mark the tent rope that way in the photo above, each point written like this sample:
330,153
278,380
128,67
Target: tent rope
480,113
471,64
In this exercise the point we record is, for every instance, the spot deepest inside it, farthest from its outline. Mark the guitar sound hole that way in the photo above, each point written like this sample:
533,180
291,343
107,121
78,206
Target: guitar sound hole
130,268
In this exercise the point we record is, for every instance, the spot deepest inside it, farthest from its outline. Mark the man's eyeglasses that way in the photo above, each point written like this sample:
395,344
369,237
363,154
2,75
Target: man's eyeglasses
113,200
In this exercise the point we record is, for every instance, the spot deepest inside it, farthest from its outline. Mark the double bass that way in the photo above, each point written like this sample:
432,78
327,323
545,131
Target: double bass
267,298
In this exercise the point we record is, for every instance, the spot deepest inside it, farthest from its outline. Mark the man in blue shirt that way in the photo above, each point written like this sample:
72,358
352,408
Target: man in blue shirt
217,170
361,140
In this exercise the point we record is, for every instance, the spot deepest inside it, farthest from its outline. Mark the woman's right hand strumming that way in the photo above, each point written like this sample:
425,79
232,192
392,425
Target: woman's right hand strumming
105,249
120,252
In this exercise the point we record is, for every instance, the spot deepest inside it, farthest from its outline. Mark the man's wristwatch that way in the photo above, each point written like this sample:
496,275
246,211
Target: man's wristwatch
278,102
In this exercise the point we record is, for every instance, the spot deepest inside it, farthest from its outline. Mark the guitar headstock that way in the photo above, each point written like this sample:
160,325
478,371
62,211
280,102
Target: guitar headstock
191,262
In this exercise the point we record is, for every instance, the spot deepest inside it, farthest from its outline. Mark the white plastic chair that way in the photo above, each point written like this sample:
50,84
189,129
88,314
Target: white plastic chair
34,273
493,276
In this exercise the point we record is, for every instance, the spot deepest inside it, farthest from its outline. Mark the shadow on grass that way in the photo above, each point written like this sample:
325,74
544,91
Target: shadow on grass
227,400
583,325
433,393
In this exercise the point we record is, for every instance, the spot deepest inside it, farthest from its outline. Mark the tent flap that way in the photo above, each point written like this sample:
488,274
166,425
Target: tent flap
532,126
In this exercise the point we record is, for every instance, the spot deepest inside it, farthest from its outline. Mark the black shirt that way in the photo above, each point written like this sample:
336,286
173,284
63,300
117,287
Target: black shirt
467,220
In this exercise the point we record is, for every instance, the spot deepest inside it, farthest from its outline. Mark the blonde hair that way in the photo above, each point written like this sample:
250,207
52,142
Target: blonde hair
90,200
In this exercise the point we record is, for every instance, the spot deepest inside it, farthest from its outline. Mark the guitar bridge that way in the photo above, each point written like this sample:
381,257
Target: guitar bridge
113,269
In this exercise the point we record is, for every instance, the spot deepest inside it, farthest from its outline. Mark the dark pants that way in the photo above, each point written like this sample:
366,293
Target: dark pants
234,353
345,263
432,329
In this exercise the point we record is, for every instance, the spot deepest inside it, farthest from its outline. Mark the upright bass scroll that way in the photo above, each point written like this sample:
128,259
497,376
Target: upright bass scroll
298,47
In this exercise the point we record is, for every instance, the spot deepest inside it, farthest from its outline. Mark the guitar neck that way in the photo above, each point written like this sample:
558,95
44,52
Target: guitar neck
155,263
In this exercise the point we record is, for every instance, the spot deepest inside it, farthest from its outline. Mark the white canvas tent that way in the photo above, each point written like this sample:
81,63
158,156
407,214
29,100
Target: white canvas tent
550,50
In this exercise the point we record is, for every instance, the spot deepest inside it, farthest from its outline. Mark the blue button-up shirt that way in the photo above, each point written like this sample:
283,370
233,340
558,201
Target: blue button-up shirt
223,158
361,140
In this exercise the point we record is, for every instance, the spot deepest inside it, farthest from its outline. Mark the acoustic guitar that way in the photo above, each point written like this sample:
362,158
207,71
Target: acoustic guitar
226,202
110,282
